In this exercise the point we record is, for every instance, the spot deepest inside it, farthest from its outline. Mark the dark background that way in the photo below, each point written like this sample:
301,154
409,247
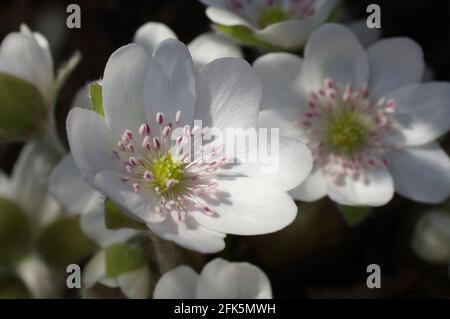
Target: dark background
318,256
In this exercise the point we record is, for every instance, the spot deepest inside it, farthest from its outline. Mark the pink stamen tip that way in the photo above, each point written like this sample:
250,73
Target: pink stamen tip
129,135
144,129
179,139
171,183
159,118
208,211
178,117
130,148
147,175
329,83
121,146
136,187
156,143
124,179
166,131
146,143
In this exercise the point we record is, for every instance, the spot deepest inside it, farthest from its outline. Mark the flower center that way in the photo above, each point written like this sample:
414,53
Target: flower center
271,15
160,165
346,130
165,169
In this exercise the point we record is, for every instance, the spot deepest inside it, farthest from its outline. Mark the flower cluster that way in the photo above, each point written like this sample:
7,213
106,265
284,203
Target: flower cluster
152,169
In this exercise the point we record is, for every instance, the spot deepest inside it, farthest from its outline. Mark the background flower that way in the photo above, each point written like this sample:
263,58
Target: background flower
219,279
363,116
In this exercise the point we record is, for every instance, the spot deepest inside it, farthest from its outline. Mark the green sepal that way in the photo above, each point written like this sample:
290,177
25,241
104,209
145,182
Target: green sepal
95,92
122,258
23,111
354,214
116,218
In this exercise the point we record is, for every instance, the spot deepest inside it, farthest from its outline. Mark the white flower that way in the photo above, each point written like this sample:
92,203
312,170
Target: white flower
431,240
283,24
219,279
369,121
204,48
130,157
28,187
26,55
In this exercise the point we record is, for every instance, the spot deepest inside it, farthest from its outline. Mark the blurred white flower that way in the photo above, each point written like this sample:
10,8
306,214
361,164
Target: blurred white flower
431,240
284,24
27,55
368,120
28,187
219,279
131,157
204,48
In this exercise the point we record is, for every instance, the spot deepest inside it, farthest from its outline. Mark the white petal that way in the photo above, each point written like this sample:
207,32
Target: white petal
94,270
221,279
189,234
123,82
421,173
333,51
68,187
210,46
239,209
135,284
229,94
139,206
289,35
93,225
29,181
312,189
394,63
284,119
422,112
178,283
280,77
375,190
22,56
365,35
284,164
225,17
151,34
90,142
170,83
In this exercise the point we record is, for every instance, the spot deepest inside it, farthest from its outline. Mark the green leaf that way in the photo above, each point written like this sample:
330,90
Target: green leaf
354,214
115,218
95,91
15,235
23,112
11,287
244,36
122,258
62,243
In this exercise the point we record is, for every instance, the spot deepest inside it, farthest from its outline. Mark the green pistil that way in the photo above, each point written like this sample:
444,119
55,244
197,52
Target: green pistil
347,131
271,15
164,169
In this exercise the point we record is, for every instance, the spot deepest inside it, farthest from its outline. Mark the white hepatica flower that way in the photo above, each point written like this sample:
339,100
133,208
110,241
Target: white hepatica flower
219,279
26,55
204,48
131,157
284,24
369,121
431,240
28,187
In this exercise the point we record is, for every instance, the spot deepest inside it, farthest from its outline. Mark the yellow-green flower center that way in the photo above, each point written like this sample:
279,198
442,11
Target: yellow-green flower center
346,131
271,15
165,169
